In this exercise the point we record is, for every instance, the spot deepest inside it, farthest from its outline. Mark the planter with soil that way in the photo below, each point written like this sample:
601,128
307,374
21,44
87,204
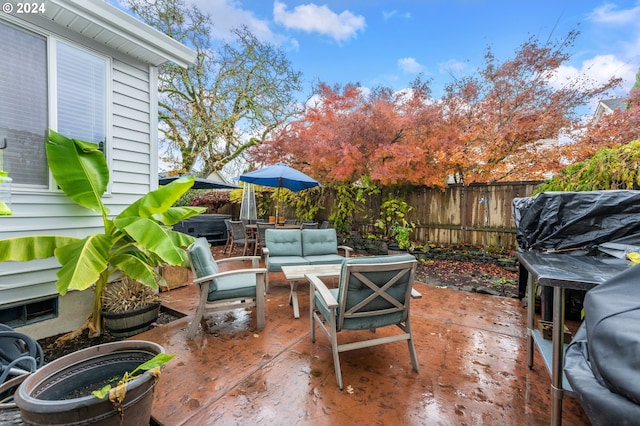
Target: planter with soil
129,307
60,392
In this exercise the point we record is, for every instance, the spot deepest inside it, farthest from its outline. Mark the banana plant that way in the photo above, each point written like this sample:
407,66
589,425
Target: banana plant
134,243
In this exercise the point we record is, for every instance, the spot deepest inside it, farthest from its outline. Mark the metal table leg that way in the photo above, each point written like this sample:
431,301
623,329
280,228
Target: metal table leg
531,314
558,356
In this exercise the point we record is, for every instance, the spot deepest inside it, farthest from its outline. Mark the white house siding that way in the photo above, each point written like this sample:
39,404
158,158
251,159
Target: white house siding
132,155
43,212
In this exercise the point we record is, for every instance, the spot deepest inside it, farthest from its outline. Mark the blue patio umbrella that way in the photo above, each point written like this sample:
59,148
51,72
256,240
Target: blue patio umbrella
199,183
279,176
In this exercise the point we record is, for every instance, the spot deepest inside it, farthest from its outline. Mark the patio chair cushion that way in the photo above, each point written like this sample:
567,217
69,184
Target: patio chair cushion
283,242
357,291
324,259
203,261
357,288
241,285
276,263
319,242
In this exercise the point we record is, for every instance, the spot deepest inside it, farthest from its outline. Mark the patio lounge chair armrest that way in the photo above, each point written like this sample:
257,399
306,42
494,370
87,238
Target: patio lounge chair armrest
255,260
230,273
323,291
347,250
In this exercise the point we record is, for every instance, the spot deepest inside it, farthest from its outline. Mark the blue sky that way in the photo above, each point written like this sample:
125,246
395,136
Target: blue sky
389,42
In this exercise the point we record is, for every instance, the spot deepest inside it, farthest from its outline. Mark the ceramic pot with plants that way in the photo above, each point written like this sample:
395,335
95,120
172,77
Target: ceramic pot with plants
62,391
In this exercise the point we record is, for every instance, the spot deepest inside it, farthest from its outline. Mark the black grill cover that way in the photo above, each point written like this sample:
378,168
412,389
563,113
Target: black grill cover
568,220
602,363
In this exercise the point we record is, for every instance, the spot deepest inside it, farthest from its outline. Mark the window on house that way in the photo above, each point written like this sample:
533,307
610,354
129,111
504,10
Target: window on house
81,93
78,104
23,105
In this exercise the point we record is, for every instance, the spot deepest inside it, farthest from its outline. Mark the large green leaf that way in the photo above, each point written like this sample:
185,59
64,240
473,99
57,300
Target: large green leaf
80,169
151,236
23,249
82,262
136,268
176,214
183,241
160,200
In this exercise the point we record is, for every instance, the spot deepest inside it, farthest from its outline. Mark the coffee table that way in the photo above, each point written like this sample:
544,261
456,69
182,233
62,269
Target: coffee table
296,273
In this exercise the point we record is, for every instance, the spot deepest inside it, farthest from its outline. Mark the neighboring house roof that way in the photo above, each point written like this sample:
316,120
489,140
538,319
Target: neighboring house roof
115,28
217,176
608,106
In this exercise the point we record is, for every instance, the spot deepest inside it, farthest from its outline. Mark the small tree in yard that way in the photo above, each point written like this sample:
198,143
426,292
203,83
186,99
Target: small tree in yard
212,200
244,87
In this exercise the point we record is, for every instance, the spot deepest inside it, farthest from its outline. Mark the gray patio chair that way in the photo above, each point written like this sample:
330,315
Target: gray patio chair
239,236
227,290
290,221
309,225
229,242
324,224
260,228
373,292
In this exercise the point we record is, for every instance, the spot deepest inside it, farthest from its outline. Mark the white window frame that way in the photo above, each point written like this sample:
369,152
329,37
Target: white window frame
52,40
52,43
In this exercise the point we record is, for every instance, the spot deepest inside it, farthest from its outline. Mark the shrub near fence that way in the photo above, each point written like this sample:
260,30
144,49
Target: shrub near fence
476,214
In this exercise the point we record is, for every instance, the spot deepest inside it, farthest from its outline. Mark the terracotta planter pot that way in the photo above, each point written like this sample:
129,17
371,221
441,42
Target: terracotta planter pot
48,395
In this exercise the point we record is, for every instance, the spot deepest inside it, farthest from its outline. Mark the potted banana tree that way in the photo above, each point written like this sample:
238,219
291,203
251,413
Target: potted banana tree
134,243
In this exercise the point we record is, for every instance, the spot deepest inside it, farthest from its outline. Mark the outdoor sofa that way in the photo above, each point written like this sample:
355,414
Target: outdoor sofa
292,247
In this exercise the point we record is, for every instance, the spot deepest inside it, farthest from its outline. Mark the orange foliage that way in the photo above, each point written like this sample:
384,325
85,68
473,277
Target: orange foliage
495,125
617,128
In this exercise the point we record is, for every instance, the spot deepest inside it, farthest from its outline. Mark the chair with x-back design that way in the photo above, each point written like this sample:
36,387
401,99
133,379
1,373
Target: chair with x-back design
373,292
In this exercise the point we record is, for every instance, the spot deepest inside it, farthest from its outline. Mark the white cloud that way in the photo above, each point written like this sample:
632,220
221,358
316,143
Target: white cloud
313,18
598,70
625,24
227,15
388,14
608,14
452,66
410,66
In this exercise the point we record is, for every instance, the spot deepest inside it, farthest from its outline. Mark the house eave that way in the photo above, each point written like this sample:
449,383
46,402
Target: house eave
116,29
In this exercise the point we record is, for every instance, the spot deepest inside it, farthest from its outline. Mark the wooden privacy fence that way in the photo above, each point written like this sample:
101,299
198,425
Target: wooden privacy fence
477,214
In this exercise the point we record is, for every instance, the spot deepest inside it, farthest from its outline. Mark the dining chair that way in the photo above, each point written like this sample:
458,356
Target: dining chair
373,292
290,221
229,242
260,230
309,225
225,290
239,236
324,224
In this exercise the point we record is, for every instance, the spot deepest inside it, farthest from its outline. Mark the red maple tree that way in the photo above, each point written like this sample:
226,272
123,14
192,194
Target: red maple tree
502,123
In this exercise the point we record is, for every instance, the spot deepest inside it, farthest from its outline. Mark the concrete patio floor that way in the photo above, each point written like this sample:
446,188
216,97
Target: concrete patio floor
471,350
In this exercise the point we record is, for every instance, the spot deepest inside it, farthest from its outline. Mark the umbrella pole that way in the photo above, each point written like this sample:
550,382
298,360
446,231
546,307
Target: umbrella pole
278,205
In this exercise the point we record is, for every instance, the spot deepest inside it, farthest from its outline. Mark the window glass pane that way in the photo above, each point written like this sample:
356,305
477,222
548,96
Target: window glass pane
23,105
81,94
